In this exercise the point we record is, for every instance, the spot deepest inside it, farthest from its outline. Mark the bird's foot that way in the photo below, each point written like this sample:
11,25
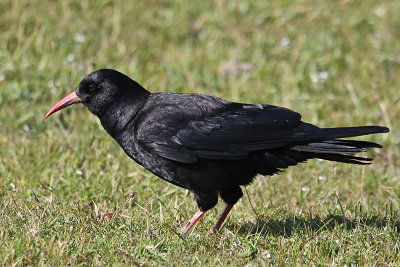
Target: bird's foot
192,221
221,219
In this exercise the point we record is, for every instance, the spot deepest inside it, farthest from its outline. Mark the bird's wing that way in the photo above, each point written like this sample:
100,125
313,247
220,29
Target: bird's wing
230,134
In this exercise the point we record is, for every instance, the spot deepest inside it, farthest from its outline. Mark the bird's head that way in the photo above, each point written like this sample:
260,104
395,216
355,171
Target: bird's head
110,95
100,91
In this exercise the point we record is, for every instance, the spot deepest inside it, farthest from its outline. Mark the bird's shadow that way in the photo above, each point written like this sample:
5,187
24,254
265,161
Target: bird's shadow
292,224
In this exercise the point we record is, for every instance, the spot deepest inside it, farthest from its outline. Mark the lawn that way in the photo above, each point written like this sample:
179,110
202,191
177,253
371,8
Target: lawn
70,196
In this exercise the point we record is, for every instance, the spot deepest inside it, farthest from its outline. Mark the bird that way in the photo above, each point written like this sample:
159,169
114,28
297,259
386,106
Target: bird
208,145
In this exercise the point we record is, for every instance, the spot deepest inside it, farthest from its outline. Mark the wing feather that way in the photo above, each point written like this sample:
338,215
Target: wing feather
228,134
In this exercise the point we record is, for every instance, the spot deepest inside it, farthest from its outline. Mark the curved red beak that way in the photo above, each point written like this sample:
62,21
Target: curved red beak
70,99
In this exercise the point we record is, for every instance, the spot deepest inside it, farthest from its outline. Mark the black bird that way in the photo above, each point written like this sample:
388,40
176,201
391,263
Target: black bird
205,144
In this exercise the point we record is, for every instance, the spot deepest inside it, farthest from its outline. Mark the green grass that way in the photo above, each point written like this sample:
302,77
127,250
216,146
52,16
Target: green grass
66,188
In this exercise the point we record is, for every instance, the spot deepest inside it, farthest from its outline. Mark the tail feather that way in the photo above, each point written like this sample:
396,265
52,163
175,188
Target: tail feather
344,132
355,143
342,158
328,148
341,150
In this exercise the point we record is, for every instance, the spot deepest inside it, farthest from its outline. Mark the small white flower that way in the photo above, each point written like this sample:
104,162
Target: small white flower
305,189
321,177
267,255
70,57
380,11
314,78
79,38
320,77
285,41
2,77
323,75
79,172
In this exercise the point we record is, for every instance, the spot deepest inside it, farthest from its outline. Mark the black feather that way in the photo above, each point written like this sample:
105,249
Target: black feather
345,132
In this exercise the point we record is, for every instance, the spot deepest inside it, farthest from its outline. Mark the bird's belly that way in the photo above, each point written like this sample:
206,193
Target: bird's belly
159,166
205,173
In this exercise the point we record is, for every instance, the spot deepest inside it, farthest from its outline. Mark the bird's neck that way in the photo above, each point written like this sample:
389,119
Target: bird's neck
119,114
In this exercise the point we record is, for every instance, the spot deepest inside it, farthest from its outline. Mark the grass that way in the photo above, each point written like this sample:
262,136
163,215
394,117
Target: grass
69,195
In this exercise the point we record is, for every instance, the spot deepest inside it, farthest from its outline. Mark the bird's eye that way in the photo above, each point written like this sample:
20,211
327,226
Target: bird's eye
92,88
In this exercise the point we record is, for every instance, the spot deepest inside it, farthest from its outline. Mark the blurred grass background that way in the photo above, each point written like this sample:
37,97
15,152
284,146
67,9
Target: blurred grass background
66,188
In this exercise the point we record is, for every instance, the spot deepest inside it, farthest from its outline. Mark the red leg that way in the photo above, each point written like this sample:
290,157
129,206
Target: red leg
192,221
221,218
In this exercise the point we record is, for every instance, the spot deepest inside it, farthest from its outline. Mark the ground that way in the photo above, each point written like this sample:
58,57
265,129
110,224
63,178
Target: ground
69,195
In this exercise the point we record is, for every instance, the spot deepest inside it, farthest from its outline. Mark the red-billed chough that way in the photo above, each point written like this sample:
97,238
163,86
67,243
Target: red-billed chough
205,144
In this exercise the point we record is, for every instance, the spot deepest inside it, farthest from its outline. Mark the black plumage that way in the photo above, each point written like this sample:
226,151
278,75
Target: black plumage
205,144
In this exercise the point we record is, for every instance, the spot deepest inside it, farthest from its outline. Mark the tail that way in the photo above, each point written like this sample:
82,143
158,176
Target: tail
341,150
327,147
